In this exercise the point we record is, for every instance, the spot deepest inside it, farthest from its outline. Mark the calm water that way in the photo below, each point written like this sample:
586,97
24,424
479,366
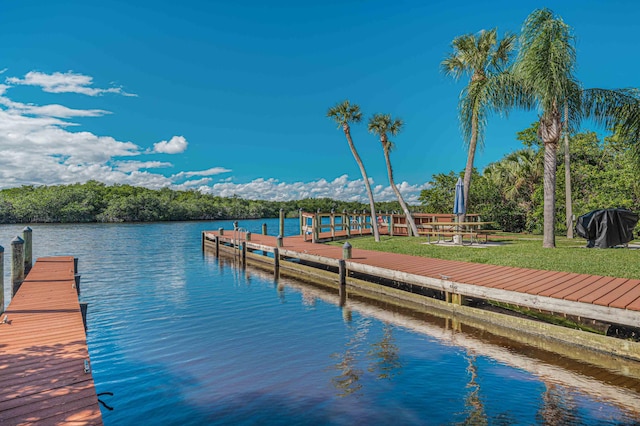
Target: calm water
181,338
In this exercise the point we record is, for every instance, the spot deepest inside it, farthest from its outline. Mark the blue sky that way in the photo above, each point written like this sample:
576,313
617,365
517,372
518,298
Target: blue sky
230,97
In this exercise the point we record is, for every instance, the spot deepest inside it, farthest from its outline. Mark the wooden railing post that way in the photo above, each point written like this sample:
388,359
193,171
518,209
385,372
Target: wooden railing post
281,222
333,224
301,221
17,264
27,235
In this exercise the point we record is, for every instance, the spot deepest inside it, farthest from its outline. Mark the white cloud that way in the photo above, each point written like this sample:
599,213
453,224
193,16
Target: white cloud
340,188
209,172
130,166
68,82
175,145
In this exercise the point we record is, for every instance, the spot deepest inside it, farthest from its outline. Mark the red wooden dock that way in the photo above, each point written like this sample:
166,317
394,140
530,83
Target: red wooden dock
43,350
609,299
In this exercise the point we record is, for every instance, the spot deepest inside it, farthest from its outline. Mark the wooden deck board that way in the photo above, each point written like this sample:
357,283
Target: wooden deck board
43,349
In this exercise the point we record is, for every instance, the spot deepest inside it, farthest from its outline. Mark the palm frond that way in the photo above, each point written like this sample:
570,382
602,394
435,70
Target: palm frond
345,113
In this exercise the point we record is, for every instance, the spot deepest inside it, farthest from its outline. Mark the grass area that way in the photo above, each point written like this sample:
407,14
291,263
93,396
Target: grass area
519,250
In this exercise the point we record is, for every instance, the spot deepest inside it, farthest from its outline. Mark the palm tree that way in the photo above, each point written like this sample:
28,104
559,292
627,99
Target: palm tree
343,114
483,58
544,72
381,124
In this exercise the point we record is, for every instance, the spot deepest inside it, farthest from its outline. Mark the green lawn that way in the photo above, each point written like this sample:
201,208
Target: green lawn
519,250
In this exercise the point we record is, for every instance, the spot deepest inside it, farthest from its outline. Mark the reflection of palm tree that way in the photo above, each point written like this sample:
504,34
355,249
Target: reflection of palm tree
384,355
557,407
474,407
348,381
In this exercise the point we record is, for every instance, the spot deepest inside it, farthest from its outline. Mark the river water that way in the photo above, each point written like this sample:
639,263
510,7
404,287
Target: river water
182,338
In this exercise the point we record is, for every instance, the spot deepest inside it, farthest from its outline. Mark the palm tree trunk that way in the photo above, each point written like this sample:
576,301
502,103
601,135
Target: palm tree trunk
468,170
549,130
412,228
372,206
567,175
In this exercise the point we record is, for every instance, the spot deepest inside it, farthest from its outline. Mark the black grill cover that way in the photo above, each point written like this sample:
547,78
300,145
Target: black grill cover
607,227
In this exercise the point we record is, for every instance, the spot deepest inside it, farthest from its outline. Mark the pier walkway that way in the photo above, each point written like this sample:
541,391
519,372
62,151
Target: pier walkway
45,375
607,299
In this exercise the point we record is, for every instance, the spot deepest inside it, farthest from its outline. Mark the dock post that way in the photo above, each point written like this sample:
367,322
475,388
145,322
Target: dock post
346,221
264,229
17,264
76,278
342,273
346,250
75,265
276,262
217,241
220,231
301,220
1,279
244,254
235,225
281,221
202,242
27,234
279,240
247,236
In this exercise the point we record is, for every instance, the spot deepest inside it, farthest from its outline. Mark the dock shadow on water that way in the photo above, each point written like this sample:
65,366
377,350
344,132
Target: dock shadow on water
181,337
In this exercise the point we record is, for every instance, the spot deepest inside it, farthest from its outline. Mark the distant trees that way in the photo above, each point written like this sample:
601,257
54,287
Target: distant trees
95,202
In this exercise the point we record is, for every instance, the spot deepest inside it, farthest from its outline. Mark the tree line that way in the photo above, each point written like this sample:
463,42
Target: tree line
96,202
510,191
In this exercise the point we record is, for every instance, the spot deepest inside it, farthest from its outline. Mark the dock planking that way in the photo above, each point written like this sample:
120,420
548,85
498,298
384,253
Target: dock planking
607,299
43,350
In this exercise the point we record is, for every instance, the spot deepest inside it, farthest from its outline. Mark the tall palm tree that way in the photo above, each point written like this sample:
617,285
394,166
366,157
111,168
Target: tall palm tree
381,124
567,175
544,72
483,58
344,113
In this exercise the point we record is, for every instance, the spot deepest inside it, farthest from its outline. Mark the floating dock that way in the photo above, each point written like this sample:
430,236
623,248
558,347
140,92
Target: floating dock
45,372
604,299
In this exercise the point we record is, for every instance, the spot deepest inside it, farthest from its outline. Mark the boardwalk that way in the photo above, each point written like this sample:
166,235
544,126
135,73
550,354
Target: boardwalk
43,350
607,299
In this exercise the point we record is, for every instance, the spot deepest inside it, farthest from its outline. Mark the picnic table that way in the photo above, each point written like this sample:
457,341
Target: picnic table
470,229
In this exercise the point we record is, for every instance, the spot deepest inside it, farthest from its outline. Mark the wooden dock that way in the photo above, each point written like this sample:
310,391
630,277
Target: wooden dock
606,299
45,373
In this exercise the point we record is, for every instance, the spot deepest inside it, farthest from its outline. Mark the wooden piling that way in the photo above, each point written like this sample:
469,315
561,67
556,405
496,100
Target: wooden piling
27,234
17,264
276,262
244,254
217,241
264,229
76,278
346,250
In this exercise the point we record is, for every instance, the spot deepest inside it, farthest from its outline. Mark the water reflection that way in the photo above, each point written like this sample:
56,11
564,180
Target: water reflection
182,338
348,379
385,355
556,403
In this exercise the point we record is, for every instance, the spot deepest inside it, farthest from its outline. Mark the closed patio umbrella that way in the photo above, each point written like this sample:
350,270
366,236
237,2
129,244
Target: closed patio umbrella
458,206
